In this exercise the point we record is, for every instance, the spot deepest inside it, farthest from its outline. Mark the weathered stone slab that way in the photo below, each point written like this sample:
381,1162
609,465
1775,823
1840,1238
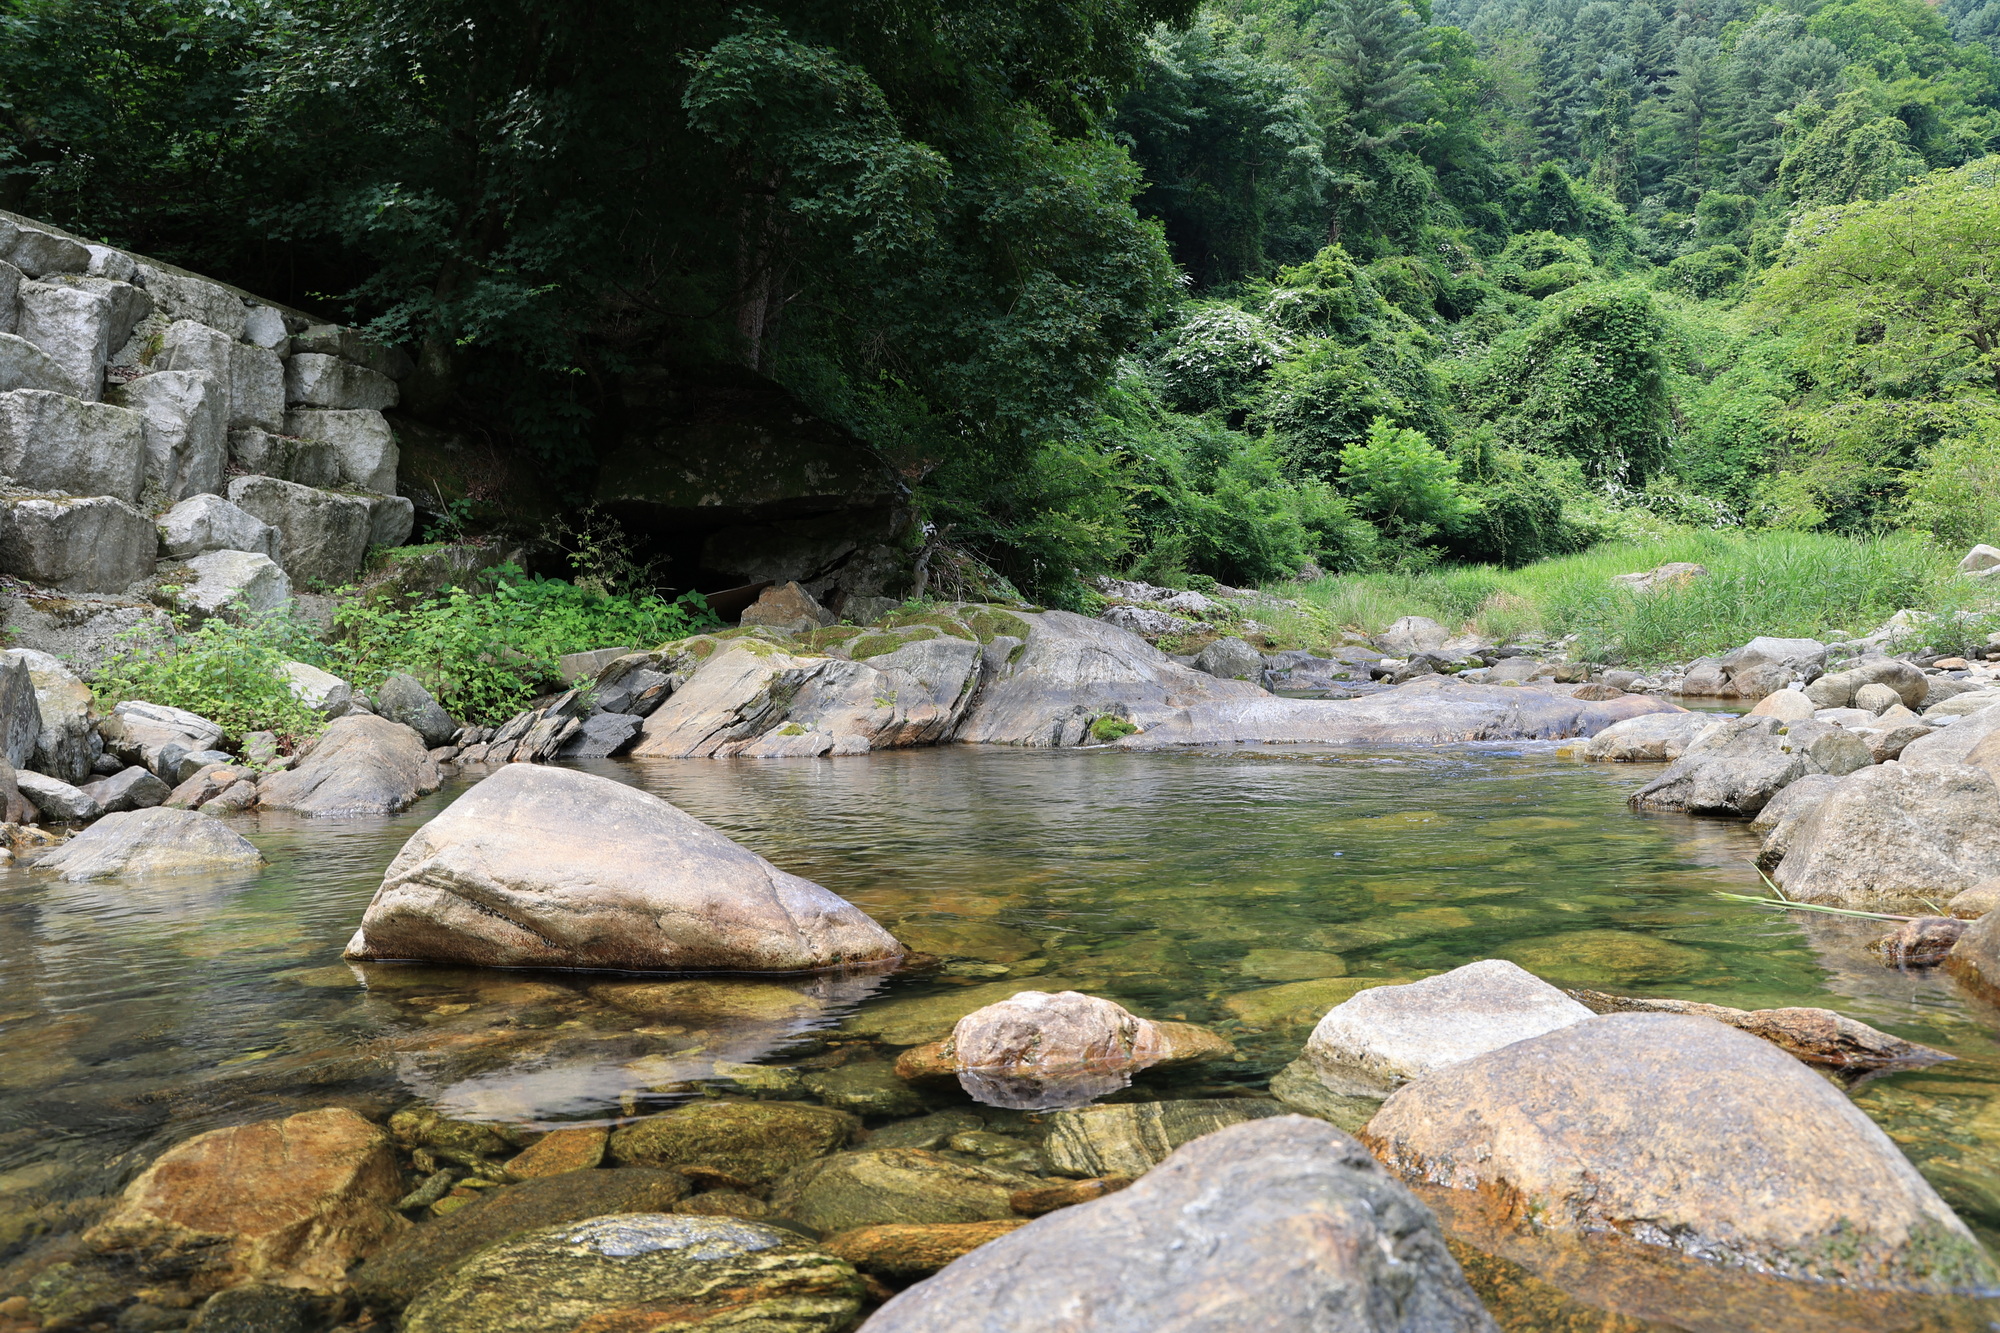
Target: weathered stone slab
95,544
203,523
323,534
235,584
361,438
73,325
306,462
186,417
315,380
180,296
37,253
52,441
23,365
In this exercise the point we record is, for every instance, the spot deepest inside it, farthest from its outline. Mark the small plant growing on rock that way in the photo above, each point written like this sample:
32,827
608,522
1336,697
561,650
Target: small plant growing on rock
1108,728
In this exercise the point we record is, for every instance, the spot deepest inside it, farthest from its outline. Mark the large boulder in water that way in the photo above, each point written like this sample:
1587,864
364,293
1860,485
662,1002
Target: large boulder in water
1285,1225
361,765
644,1271
132,844
1431,710
544,867
1736,766
1649,738
1894,838
1675,1130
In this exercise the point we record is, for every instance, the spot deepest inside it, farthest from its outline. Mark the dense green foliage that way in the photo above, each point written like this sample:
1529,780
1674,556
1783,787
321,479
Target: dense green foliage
1241,291
229,674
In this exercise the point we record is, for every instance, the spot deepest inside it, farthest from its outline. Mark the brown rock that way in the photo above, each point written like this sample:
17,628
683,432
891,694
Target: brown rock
206,785
1035,1202
723,1203
561,1150
905,1253
789,608
1816,1036
1597,693
294,1202
1679,1131
1924,942
1977,901
753,1143
17,808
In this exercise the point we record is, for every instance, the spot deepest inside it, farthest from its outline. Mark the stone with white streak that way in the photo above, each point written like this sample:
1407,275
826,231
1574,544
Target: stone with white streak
57,442
314,380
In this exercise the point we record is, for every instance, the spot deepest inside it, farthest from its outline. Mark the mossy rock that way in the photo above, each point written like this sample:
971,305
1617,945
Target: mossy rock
878,643
991,622
944,622
830,637
867,1088
419,1256
647,1271
423,1127
896,1185
758,1142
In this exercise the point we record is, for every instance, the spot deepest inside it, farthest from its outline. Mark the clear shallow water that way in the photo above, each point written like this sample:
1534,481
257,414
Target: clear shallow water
1248,891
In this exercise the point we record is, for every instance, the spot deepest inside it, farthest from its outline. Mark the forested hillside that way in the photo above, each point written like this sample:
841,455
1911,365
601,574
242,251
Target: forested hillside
1129,285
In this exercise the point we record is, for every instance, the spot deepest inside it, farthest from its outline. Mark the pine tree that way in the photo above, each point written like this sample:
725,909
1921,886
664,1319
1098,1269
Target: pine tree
1377,71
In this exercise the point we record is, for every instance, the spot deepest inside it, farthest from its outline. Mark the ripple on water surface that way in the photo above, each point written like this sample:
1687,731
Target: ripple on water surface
1248,891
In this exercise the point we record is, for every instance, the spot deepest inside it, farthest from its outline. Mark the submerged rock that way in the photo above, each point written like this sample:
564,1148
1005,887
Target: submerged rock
542,867
1286,1225
902,1252
422,1255
908,1186
1387,1036
755,1142
133,844
645,1271
1678,1131
1924,942
295,1201
360,765
1130,1138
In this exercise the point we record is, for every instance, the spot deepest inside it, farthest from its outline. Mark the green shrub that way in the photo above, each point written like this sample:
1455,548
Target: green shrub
487,655
229,674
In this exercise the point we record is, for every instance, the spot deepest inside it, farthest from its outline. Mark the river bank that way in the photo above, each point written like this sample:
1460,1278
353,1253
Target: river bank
1218,888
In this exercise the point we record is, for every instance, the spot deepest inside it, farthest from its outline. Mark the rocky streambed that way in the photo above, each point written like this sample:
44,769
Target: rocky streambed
1241,892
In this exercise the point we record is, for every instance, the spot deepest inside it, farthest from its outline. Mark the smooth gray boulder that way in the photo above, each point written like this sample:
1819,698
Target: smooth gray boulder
1679,1131
135,844
52,441
256,388
315,380
1284,1225
546,867
193,346
323,534
307,462
361,765
1837,689
234,584
131,788
1783,813
184,296
26,366
203,523
185,414
95,544
59,802
36,252
1735,767
1894,838
601,736
1412,635
1231,659
20,712
391,519
1954,743
1388,1035
362,440
403,698
1653,738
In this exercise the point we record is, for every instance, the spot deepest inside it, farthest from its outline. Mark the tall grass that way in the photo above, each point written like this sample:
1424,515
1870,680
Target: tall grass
1788,584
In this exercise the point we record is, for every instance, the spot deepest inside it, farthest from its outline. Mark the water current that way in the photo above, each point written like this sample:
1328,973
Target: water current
1247,890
